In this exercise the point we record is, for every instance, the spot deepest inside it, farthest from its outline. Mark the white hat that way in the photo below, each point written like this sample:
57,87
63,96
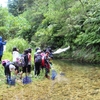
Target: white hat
38,51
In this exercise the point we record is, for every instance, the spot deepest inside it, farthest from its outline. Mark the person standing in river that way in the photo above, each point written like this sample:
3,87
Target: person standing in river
25,68
16,58
29,60
46,64
37,61
1,48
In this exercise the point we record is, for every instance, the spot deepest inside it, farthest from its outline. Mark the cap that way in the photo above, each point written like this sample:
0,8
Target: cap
38,51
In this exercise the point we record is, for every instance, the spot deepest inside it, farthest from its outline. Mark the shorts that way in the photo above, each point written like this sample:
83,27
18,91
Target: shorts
29,68
26,69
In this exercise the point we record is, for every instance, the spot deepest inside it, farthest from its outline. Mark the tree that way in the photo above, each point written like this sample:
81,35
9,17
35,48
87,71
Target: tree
16,7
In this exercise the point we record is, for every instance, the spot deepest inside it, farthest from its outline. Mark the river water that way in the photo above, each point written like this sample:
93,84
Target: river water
73,82
83,81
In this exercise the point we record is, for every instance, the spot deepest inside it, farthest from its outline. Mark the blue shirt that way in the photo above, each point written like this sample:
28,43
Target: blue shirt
1,46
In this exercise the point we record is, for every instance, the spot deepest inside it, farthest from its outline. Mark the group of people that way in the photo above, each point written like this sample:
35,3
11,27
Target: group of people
42,60
22,63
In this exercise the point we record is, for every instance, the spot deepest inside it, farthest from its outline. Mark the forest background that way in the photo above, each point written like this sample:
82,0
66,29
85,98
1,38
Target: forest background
54,23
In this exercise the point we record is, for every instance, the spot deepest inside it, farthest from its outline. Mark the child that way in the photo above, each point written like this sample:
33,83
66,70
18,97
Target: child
29,60
8,68
16,59
47,64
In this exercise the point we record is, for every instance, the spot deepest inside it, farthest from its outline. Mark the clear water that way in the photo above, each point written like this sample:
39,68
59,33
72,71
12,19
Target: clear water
84,80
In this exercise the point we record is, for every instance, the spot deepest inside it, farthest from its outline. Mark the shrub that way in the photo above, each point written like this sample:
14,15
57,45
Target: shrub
7,55
21,44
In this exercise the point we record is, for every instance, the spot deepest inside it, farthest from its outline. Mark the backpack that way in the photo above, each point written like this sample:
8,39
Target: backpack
22,60
38,58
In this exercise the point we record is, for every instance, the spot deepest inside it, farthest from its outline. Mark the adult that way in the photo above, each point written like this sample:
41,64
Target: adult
1,47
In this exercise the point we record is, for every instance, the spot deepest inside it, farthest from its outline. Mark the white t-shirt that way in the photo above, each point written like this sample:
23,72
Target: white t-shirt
16,56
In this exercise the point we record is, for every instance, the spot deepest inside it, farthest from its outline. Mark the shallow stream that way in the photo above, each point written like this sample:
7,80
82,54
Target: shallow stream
83,80
73,82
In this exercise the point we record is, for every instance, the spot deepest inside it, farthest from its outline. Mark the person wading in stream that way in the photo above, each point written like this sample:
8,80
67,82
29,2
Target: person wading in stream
16,58
25,67
38,60
29,60
8,68
46,64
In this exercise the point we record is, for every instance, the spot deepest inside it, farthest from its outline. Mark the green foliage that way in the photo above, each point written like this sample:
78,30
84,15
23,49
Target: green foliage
16,7
3,14
7,55
3,30
57,23
34,20
16,26
20,43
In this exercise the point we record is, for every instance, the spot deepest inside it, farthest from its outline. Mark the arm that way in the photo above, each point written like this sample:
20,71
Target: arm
3,43
26,60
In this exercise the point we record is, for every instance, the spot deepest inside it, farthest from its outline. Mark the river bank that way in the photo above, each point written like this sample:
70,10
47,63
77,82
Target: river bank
80,55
